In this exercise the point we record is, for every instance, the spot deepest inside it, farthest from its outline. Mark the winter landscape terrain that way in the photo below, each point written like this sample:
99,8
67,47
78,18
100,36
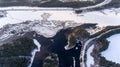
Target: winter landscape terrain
113,50
59,33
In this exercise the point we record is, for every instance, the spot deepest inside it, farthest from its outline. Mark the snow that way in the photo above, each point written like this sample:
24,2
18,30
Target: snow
24,8
90,59
113,51
21,14
74,0
48,28
2,14
40,28
74,61
34,51
103,18
76,48
67,47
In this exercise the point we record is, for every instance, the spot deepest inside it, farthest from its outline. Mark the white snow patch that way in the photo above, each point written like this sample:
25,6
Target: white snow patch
74,61
113,51
67,47
76,48
90,59
34,51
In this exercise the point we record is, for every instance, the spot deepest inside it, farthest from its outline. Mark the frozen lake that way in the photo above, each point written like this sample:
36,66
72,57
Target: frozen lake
113,51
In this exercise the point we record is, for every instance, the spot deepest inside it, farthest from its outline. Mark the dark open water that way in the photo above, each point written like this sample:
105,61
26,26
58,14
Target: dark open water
56,45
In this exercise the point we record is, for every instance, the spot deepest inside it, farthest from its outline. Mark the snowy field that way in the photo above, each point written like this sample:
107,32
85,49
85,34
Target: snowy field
113,51
103,18
90,59
21,16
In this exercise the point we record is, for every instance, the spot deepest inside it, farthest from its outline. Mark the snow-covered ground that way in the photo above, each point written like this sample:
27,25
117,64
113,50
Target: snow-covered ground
14,17
113,51
103,17
90,59
34,51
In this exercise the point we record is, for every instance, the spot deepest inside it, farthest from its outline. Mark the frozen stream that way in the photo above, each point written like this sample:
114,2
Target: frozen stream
34,51
90,59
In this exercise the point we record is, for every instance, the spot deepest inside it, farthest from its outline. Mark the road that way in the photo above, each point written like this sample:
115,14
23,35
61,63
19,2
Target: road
95,6
22,8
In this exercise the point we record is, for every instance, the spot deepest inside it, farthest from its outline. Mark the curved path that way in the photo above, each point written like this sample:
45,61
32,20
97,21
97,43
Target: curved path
87,43
95,6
